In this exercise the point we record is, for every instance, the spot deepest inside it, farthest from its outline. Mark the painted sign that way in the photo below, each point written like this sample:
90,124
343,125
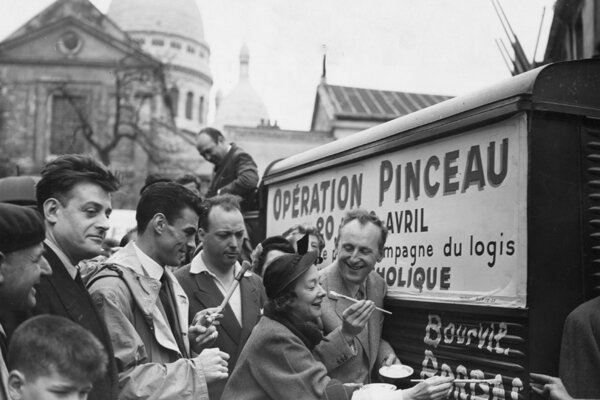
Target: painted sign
455,209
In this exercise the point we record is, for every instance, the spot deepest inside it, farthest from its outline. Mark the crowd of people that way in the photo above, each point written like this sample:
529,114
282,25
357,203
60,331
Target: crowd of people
173,313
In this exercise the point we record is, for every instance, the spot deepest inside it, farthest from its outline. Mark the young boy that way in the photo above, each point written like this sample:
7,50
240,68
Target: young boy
51,357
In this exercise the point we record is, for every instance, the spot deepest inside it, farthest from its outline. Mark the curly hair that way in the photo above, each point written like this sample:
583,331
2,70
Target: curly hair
60,175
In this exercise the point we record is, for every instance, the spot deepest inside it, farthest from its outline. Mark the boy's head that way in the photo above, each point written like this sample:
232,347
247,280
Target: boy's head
51,357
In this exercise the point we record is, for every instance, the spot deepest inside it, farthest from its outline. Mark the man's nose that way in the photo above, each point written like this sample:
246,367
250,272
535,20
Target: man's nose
45,269
103,222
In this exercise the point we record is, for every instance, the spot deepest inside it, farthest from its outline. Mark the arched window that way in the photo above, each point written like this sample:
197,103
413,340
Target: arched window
189,101
201,110
174,95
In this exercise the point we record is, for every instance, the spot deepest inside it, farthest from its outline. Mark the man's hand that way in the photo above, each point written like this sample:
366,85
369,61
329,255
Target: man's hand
549,387
355,318
201,337
214,363
207,317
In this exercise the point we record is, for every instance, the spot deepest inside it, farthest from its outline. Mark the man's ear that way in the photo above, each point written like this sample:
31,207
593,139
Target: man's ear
158,223
51,207
16,381
201,234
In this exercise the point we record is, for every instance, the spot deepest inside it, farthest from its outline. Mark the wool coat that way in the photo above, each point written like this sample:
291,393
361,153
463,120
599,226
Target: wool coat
275,364
580,351
236,174
59,294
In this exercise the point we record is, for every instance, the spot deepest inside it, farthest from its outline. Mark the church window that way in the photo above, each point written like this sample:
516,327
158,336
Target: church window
139,41
201,54
66,124
158,42
174,97
176,45
191,49
69,43
201,110
189,102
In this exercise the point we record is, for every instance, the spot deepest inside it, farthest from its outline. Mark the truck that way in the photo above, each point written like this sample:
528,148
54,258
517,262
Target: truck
492,205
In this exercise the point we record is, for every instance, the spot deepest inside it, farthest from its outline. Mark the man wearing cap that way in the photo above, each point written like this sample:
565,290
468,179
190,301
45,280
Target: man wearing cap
73,196
210,276
21,266
360,242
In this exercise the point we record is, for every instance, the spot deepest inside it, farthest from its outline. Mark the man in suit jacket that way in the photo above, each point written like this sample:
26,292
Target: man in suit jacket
211,274
235,170
360,242
74,198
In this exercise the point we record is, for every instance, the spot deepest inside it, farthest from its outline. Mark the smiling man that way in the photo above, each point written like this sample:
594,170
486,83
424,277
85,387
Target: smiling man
360,242
159,355
21,266
73,196
211,274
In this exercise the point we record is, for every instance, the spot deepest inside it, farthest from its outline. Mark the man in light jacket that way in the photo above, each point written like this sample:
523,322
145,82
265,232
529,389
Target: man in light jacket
146,310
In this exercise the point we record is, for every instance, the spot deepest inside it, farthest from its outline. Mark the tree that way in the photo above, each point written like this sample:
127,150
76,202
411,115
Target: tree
141,112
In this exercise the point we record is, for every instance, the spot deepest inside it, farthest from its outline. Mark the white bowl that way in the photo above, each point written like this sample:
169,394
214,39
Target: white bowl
378,387
396,371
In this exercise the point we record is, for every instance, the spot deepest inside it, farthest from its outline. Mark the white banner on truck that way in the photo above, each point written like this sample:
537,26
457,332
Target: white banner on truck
455,210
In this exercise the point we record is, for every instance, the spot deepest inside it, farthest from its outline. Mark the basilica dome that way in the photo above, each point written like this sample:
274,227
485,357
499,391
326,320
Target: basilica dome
178,17
243,106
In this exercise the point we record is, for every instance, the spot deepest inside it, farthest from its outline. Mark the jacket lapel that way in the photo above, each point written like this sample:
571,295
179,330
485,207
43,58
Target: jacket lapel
162,331
250,307
65,288
375,322
209,295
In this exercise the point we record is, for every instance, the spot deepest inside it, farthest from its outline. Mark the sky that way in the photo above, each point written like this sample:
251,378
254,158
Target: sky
426,46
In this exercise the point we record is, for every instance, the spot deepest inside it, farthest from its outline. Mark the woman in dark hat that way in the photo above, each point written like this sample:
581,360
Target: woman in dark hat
280,361
277,361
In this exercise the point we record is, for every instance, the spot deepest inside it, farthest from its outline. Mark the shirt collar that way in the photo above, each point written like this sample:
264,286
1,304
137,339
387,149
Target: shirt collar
150,267
71,269
198,266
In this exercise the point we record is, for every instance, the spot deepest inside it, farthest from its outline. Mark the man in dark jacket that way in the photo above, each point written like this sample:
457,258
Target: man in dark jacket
74,199
235,170
211,275
21,266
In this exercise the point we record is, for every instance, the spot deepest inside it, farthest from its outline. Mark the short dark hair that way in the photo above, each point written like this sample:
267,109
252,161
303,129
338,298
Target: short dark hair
214,134
227,202
60,175
154,178
49,342
363,217
271,243
167,198
305,229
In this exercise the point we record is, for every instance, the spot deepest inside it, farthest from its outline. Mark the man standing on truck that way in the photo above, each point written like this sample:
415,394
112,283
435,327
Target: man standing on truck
235,172
360,242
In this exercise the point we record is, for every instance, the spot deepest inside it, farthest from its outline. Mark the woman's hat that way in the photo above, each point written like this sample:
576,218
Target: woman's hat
284,270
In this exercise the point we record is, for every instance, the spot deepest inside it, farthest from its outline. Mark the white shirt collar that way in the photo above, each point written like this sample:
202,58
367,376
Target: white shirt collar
197,266
150,267
71,269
